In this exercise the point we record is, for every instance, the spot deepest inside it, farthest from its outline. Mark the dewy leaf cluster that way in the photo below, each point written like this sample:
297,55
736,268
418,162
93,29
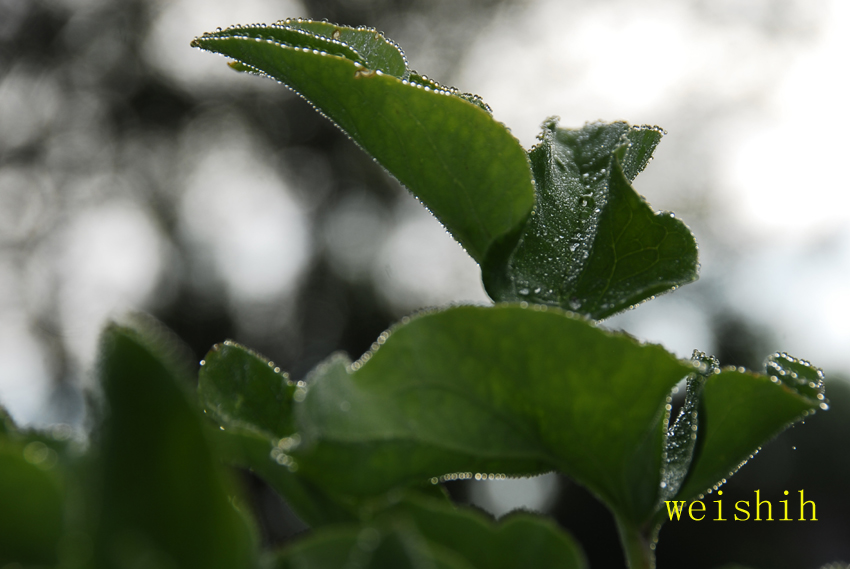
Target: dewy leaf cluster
357,449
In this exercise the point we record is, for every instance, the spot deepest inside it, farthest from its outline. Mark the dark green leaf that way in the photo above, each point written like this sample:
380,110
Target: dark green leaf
251,400
520,540
495,390
419,530
375,51
251,450
7,425
462,164
162,495
368,547
682,439
592,244
32,503
241,389
741,411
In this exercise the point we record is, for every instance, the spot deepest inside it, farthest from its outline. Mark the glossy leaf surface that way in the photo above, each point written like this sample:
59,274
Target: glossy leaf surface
592,245
162,495
448,150
497,390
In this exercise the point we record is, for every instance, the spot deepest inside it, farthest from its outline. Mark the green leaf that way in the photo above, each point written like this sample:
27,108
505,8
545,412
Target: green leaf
418,530
162,495
519,540
251,450
507,390
241,389
251,401
681,441
442,145
592,244
741,411
32,504
368,547
374,50
7,425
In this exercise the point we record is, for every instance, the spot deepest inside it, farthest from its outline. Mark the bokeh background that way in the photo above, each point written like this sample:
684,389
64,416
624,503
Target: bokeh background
139,174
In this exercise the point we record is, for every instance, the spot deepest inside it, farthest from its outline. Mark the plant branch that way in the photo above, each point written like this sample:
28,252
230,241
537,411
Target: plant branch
636,546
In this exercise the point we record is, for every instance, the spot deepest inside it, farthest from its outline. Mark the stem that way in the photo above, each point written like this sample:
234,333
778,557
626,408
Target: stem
639,555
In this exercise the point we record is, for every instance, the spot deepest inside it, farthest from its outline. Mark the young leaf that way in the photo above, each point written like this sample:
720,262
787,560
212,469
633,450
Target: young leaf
681,440
592,245
449,151
251,400
504,389
239,388
373,49
741,411
162,496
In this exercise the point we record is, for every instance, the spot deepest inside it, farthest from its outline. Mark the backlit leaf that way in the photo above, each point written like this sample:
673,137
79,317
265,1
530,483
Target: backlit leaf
442,145
495,390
